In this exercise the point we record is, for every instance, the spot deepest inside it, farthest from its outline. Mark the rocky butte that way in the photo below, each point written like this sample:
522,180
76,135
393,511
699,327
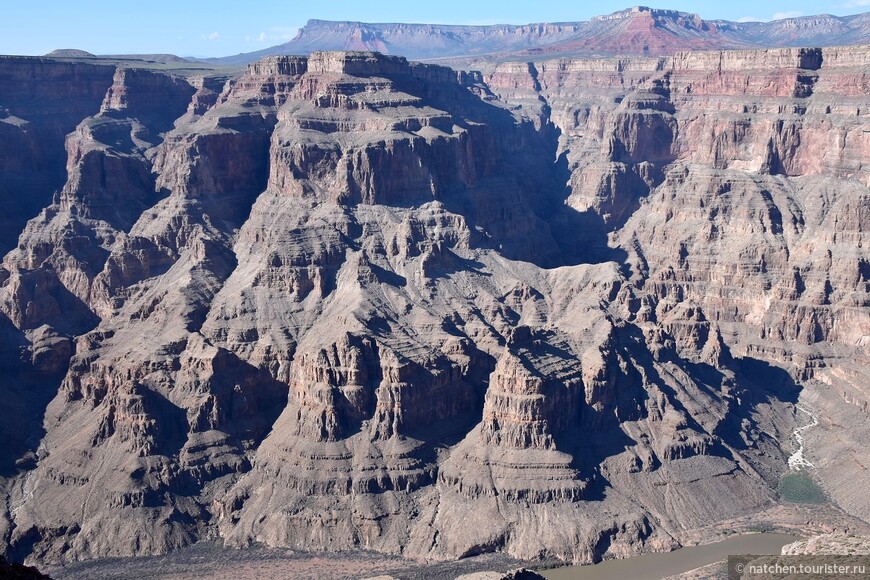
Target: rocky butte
556,309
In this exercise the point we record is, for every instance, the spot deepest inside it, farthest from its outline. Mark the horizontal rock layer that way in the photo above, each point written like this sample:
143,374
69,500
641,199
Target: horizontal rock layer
349,301
638,31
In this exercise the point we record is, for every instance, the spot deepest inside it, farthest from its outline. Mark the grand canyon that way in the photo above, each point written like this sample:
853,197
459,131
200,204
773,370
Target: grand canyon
548,305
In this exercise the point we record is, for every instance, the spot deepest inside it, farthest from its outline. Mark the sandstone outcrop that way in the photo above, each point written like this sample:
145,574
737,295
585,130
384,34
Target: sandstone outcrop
351,301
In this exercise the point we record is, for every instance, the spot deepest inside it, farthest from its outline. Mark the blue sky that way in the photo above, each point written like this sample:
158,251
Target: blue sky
223,27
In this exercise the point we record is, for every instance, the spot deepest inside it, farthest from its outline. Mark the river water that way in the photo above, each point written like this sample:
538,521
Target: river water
661,565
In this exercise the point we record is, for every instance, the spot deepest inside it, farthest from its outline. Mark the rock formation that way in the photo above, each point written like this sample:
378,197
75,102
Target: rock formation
351,301
639,31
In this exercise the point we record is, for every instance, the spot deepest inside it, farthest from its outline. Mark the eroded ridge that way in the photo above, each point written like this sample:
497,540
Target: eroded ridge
351,301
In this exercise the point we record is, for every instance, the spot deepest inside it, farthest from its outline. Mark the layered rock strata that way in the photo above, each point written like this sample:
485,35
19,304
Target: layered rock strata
350,301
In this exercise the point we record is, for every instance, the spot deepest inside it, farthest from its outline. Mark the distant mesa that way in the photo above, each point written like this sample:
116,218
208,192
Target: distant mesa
153,58
635,31
70,53
161,58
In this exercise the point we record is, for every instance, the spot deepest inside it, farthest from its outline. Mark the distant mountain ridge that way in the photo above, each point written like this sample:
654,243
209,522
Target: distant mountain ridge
637,30
76,53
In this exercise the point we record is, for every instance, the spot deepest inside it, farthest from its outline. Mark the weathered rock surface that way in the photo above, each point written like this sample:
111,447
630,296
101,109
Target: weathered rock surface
830,544
349,301
43,100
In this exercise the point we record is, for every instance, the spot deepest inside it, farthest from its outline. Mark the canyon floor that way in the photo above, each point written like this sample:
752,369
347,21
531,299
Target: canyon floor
210,560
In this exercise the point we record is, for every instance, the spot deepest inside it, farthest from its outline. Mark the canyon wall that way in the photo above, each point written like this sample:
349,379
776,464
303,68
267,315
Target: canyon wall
350,301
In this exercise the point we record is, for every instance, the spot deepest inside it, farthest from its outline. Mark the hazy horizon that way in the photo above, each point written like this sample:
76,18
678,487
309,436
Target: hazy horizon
161,26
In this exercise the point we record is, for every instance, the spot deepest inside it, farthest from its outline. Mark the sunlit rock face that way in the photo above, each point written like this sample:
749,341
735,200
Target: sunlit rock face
351,301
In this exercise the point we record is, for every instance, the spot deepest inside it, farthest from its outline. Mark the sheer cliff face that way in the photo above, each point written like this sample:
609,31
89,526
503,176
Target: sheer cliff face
350,301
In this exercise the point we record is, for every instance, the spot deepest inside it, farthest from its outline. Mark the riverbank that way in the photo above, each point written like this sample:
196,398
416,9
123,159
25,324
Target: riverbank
661,565
212,561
